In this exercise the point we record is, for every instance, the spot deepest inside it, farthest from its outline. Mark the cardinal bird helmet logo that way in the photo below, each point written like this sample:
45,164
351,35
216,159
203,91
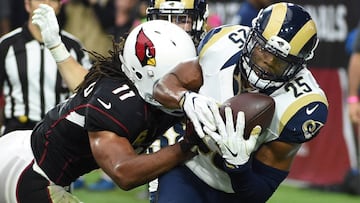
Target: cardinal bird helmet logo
145,49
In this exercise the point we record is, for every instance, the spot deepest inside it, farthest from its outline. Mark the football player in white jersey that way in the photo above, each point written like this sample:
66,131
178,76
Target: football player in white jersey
270,57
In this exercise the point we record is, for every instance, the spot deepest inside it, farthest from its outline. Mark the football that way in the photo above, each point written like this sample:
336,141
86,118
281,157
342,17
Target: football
258,109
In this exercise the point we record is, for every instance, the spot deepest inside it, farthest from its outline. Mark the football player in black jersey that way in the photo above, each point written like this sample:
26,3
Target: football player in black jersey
107,124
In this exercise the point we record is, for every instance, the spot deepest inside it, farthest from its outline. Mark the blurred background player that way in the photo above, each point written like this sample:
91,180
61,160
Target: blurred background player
354,77
28,73
97,22
89,20
249,10
191,16
5,14
352,178
4,28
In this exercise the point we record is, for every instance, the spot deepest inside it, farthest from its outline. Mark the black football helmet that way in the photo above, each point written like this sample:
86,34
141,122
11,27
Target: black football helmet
180,11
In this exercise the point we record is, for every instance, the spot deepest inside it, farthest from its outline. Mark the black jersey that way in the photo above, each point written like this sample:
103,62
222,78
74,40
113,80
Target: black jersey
60,141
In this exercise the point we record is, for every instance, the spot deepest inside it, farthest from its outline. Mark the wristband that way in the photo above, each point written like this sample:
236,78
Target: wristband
352,99
60,53
231,168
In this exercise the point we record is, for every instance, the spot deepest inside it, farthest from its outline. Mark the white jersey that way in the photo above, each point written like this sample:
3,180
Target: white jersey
300,105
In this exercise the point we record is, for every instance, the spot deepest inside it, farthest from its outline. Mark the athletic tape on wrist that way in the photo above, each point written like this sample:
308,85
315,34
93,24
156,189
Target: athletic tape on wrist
60,53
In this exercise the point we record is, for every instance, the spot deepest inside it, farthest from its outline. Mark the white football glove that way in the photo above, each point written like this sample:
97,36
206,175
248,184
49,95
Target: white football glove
45,18
203,112
233,147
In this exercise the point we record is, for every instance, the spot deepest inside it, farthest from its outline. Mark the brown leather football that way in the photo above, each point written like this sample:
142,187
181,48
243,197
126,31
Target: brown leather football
258,109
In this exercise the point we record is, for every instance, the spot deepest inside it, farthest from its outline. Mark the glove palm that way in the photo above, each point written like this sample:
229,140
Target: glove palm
232,145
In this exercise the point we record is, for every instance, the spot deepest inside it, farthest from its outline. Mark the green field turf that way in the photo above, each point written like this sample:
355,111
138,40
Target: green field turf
285,194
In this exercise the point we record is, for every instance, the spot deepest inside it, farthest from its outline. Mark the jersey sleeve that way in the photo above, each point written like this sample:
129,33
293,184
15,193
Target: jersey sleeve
303,119
115,108
229,39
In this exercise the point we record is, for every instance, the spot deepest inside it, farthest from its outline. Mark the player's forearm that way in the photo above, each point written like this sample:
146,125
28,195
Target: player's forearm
354,74
184,77
168,91
72,72
143,168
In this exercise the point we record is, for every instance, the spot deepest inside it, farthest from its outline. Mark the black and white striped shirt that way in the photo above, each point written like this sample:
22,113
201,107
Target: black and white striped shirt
29,77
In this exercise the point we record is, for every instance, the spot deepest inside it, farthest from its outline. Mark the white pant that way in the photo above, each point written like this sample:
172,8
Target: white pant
15,156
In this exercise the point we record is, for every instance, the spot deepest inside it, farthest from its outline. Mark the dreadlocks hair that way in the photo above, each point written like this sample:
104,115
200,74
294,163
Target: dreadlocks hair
106,66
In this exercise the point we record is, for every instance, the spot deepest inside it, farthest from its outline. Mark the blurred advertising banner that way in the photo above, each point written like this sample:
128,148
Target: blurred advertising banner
334,20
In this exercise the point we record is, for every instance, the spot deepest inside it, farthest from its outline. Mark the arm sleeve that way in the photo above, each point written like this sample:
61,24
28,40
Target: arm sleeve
255,181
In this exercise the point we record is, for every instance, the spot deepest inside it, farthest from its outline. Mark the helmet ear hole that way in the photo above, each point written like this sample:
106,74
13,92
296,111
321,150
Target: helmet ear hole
138,75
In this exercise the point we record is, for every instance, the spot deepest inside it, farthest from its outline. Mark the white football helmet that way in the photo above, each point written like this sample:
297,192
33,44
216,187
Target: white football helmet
152,49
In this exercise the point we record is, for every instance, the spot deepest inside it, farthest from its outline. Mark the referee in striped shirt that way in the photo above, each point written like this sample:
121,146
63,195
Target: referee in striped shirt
29,77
